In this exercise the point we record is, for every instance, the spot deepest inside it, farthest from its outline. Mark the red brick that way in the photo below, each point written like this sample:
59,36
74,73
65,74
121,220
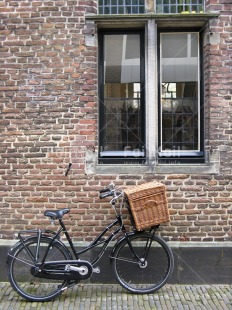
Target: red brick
49,117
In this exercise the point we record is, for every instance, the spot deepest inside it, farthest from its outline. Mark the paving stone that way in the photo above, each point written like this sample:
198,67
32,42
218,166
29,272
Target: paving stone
113,297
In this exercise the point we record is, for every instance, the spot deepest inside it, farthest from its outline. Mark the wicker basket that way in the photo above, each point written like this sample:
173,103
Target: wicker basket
148,204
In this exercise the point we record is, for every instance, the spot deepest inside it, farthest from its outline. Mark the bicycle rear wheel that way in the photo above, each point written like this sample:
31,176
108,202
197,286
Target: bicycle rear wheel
20,275
148,273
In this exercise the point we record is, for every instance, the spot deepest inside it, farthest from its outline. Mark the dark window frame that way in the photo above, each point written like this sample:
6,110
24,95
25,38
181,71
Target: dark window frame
200,156
121,159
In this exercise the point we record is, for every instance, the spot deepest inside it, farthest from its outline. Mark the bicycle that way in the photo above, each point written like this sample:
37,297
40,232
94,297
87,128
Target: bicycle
41,266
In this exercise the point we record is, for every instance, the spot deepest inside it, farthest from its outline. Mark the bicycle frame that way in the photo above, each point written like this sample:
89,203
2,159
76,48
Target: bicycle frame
54,236
97,241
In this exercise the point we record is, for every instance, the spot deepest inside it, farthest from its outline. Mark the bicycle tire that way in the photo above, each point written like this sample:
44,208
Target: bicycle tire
19,270
156,269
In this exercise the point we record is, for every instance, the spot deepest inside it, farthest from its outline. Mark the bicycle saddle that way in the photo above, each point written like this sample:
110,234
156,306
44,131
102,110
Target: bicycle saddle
56,214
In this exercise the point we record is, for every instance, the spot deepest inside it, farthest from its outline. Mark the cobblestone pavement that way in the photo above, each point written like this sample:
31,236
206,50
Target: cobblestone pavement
101,297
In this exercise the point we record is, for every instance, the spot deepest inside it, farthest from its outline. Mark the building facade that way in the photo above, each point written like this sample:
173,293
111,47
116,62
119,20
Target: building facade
127,92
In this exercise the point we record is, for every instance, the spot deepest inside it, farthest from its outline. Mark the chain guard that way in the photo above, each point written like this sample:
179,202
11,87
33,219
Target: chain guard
63,270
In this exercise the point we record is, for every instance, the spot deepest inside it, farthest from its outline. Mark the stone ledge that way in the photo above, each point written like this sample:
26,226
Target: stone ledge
158,169
162,20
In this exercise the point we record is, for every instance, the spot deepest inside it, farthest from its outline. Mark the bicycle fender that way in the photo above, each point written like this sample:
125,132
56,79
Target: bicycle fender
120,241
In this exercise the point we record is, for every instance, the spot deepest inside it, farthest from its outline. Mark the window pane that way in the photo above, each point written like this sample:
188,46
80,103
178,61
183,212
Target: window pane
179,98
121,127
178,43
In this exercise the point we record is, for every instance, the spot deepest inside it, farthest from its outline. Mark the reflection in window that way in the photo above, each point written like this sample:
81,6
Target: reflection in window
121,117
179,92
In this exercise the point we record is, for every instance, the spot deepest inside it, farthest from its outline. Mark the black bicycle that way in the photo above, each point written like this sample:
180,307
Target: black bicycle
41,266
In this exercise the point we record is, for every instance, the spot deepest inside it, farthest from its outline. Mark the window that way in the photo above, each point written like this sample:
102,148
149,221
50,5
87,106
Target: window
165,123
156,6
121,6
179,6
152,117
122,122
180,111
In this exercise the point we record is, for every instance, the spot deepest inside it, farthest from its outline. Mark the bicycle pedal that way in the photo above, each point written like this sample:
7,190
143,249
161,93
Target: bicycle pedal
96,270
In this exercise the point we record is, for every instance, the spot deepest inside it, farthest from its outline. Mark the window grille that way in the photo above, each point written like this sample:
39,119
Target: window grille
121,102
121,6
122,126
161,6
180,105
179,6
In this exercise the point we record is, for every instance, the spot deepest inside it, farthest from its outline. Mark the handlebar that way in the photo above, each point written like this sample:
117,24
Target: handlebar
110,191
117,196
104,190
108,194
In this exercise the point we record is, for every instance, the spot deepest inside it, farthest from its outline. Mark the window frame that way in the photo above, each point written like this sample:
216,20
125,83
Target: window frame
209,163
191,156
125,157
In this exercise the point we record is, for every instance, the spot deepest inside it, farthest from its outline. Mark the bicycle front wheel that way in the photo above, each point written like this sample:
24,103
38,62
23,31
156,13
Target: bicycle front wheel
148,269
21,261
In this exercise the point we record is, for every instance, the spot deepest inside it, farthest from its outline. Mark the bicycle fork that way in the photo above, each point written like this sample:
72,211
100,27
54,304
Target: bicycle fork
141,260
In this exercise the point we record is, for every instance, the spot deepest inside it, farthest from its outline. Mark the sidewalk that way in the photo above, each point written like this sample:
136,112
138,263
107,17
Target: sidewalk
106,297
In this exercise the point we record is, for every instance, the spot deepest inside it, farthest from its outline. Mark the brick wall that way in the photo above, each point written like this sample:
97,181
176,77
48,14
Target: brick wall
49,117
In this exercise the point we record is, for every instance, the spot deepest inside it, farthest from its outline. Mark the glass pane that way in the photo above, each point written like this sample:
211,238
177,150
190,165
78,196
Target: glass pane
179,80
106,10
113,10
194,45
122,93
135,10
178,44
166,9
173,9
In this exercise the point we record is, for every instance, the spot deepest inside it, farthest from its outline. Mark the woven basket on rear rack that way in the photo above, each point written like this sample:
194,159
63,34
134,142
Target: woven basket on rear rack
148,204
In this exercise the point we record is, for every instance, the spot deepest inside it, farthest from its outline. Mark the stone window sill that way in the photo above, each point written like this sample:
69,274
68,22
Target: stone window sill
210,167
162,20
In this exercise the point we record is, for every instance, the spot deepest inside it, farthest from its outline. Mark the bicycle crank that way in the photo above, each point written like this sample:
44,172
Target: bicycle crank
63,270
83,270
